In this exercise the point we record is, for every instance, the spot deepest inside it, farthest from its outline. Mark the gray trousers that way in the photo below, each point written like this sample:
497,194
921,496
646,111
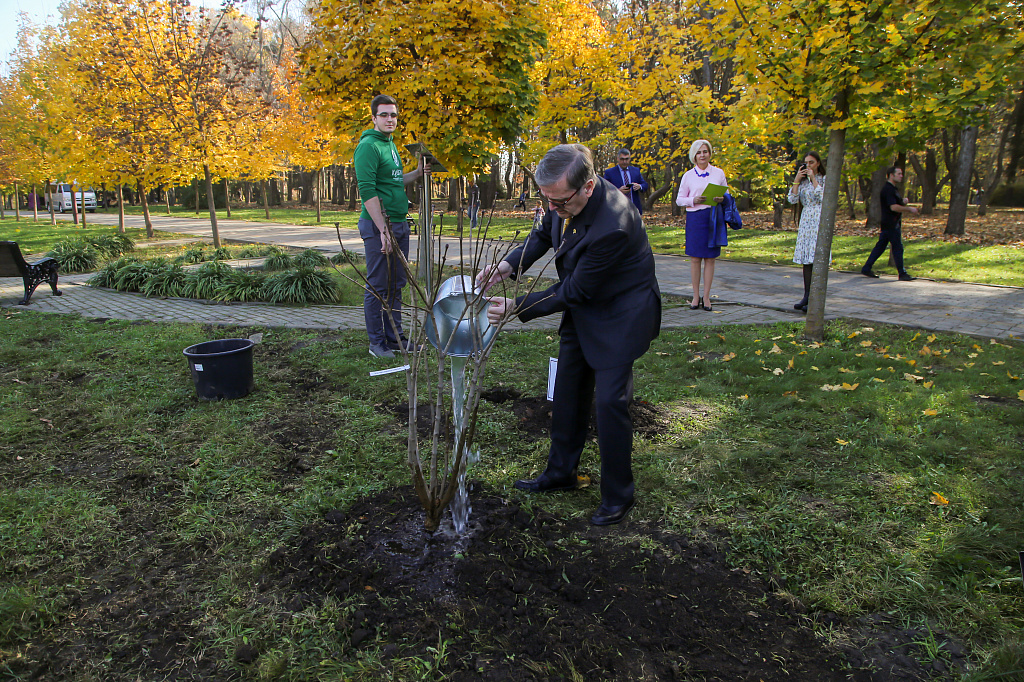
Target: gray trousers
385,279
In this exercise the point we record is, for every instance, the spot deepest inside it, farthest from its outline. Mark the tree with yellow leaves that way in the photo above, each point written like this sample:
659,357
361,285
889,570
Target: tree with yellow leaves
460,71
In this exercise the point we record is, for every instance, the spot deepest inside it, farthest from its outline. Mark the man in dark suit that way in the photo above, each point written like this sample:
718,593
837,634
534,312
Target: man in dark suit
628,179
611,311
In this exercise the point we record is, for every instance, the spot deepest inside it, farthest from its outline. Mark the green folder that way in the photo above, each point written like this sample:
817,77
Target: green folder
712,191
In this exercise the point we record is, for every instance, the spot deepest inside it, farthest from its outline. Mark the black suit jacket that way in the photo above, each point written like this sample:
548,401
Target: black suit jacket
606,289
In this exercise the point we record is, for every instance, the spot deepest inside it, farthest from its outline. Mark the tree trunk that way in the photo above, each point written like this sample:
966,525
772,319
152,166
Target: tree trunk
74,203
195,184
668,186
996,173
814,328
872,203
167,200
83,205
850,190
103,189
453,195
510,190
1017,148
35,204
353,190
778,213
213,205
266,198
319,182
120,208
960,190
927,175
3,203
227,197
143,194
53,218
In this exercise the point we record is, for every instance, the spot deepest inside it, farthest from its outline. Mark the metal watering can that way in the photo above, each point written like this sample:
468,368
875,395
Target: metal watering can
460,325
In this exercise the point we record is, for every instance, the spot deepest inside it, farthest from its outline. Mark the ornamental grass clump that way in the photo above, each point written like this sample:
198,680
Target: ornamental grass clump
242,285
310,258
206,280
194,253
303,285
107,275
166,281
133,275
277,260
112,245
75,255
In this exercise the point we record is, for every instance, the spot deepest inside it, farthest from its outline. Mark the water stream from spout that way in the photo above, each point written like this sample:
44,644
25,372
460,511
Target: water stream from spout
460,506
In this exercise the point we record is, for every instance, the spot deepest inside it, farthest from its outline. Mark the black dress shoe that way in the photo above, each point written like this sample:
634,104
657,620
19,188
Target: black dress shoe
869,273
700,304
609,515
543,484
907,278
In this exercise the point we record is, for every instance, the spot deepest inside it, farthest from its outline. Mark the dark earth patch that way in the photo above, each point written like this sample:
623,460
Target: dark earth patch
530,596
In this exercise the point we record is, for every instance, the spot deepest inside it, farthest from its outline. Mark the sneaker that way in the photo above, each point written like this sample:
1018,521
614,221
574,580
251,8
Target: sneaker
381,351
868,273
907,278
404,344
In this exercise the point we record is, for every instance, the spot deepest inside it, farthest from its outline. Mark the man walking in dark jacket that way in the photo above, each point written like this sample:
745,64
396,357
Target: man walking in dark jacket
384,225
611,311
893,208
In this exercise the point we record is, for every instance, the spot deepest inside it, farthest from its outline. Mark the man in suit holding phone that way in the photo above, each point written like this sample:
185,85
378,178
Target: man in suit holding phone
628,179
611,311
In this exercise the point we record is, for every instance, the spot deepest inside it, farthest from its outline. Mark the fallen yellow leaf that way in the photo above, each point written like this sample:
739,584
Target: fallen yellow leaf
791,363
854,335
1000,362
775,348
928,384
938,499
744,396
925,350
912,363
930,412
912,377
865,344
843,370
842,442
831,387
728,356
814,368
931,338
757,352
1012,378
1020,394
881,381
849,387
789,393
778,371
916,337
867,329
968,364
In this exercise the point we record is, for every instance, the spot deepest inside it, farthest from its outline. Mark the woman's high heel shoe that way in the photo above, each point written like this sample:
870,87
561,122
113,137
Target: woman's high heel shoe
700,304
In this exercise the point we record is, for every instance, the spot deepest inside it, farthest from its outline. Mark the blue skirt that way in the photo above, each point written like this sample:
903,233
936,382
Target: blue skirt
698,233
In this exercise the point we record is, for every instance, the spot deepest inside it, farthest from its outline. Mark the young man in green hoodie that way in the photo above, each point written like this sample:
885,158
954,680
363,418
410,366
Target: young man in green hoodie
383,224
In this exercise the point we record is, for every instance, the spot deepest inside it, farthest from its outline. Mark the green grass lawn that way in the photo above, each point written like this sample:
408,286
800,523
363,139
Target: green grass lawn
38,237
817,463
922,257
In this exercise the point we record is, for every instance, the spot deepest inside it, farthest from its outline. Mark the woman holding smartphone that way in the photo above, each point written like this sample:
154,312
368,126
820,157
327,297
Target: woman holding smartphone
807,191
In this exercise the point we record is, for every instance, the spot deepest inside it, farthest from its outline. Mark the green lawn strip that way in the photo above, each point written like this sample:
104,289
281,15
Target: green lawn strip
827,491
38,237
923,257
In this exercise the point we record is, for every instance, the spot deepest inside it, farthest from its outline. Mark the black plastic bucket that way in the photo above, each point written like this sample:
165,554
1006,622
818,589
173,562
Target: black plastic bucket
221,370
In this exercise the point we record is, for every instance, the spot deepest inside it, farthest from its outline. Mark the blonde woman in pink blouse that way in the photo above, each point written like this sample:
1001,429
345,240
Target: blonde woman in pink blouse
699,226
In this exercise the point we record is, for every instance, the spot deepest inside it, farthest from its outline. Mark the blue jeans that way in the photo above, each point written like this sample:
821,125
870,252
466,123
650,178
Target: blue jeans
385,277
893,236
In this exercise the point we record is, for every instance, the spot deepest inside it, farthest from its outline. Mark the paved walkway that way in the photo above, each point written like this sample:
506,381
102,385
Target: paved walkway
744,293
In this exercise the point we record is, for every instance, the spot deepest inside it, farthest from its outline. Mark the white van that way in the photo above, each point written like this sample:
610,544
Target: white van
59,195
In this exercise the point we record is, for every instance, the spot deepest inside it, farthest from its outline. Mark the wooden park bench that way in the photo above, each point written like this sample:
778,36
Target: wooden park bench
12,264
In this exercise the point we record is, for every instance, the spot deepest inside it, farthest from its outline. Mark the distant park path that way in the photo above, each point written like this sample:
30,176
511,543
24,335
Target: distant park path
744,292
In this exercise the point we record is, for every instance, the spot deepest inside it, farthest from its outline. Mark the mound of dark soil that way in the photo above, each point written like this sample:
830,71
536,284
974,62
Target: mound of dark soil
529,596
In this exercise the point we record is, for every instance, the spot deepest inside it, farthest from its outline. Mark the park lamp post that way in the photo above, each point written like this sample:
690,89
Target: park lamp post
424,250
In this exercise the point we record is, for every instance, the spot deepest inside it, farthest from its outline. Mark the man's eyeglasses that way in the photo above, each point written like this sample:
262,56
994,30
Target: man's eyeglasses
388,114
560,203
